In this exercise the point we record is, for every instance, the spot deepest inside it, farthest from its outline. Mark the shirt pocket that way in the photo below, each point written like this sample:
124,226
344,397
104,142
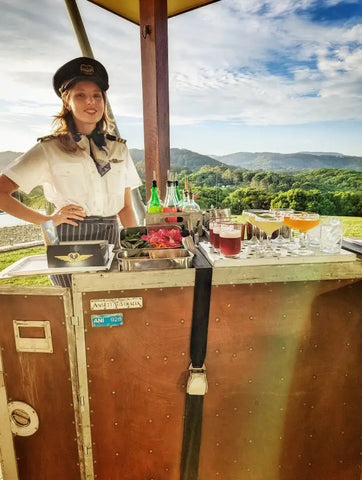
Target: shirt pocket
116,179
69,180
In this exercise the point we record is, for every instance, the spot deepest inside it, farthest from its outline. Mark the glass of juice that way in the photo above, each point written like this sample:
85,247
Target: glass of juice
230,237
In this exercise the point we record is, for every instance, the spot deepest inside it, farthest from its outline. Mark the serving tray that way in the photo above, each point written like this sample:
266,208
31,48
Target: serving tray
38,265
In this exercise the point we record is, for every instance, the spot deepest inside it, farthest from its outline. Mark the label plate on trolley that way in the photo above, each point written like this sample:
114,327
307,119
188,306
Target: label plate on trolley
107,320
116,303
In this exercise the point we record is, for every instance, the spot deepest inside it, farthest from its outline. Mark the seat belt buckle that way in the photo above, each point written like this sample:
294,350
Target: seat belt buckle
197,382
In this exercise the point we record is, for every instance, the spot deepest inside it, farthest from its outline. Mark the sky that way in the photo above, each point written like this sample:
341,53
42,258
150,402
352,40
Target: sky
244,75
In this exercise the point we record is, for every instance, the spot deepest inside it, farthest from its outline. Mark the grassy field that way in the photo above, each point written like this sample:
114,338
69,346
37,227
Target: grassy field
352,227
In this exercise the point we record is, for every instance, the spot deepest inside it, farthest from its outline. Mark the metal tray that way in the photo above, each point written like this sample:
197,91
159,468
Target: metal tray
38,265
161,259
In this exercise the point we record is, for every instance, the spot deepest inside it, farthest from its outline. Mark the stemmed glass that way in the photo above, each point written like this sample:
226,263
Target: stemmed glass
303,221
283,213
268,224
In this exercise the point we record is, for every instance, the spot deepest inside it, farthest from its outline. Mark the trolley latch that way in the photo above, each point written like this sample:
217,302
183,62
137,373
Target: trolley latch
197,382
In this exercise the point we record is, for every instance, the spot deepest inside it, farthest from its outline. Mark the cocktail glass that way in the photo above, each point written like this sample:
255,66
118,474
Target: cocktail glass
282,213
303,222
268,224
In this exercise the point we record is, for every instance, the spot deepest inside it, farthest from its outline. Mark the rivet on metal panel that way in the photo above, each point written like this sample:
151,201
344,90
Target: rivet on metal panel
235,355
341,461
181,288
229,305
312,406
182,320
217,351
348,344
65,349
284,315
165,359
112,359
115,424
235,461
218,444
161,289
284,347
147,324
251,349
168,416
150,451
250,380
150,420
349,313
149,389
148,357
113,392
234,285
235,409
216,414
281,409
314,377
217,319
87,348
183,354
342,432
301,350
251,317
25,296
250,412
90,380
250,440
117,454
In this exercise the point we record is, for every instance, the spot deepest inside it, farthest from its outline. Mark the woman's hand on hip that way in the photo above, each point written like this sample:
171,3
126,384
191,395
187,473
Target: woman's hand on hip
68,214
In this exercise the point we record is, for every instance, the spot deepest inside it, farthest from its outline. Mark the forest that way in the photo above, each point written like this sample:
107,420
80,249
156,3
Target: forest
325,191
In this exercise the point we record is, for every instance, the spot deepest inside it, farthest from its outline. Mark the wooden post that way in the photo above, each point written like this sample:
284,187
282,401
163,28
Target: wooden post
154,55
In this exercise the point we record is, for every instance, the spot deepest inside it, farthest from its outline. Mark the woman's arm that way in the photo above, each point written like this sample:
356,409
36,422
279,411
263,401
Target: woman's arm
127,214
11,205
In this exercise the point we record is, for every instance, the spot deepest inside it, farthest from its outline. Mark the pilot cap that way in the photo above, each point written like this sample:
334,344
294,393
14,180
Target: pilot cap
77,70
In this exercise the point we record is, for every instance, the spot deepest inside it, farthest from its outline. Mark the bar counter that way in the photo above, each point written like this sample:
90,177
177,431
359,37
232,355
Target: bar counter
245,372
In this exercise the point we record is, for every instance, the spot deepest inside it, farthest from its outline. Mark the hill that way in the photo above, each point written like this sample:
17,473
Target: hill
181,158
299,161
264,161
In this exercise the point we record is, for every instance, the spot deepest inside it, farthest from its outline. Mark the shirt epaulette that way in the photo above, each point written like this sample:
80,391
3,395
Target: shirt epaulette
46,138
114,138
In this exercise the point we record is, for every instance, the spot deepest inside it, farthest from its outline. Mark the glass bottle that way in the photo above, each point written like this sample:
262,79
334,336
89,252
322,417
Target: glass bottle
170,202
154,204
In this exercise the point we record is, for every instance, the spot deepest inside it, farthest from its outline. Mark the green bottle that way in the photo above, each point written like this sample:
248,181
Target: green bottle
155,204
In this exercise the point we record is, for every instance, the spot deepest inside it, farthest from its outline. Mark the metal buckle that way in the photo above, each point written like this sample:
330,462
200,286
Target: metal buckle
197,382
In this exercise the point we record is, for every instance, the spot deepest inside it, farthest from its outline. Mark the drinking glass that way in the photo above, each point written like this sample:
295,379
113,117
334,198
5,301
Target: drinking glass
230,238
303,222
268,224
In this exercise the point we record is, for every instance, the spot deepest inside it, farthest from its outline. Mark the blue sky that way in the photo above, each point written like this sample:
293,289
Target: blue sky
245,75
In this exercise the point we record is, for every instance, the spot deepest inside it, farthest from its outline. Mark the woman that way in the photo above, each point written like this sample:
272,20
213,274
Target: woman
85,172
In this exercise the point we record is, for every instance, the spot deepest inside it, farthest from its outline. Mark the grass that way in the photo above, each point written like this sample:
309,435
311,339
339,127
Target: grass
352,227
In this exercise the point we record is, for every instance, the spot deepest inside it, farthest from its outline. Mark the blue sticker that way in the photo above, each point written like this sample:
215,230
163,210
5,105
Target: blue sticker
106,320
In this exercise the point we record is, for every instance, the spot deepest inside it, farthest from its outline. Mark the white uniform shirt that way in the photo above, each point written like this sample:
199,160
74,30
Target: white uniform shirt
69,177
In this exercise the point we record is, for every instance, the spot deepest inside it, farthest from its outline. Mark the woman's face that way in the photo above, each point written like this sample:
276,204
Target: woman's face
86,103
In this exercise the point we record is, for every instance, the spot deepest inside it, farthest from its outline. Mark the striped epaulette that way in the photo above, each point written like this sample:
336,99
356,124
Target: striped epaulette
114,138
46,138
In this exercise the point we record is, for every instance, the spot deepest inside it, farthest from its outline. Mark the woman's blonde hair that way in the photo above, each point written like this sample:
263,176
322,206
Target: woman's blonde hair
64,125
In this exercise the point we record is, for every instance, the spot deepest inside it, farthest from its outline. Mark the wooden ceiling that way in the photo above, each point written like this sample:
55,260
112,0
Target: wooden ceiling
130,9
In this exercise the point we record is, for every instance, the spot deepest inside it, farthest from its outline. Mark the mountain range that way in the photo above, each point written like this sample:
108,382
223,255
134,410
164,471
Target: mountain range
265,161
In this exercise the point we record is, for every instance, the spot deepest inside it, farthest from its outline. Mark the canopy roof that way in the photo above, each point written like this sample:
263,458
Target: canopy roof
130,10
